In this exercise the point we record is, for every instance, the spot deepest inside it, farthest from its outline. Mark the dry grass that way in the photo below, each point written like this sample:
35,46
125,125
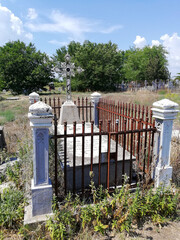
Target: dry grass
19,129
175,160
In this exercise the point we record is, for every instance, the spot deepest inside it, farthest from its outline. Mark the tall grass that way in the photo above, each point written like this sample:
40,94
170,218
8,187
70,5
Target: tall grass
6,116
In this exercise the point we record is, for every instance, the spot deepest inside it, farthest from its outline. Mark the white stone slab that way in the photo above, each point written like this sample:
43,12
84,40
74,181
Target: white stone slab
87,154
69,113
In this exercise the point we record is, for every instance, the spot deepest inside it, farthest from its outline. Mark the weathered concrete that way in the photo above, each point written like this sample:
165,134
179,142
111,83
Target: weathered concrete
30,219
33,97
164,112
69,113
40,115
41,199
95,97
87,157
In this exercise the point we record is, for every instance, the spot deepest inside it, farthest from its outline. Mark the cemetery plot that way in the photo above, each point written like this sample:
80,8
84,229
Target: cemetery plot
90,153
109,154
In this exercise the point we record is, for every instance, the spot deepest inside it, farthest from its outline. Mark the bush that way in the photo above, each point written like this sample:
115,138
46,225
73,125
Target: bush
11,208
107,212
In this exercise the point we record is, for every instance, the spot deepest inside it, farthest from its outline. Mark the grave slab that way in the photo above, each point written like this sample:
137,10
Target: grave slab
87,158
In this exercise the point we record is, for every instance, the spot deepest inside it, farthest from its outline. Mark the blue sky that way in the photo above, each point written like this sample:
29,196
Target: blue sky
52,24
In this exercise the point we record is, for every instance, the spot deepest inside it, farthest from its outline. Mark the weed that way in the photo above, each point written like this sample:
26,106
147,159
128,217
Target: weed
11,208
117,211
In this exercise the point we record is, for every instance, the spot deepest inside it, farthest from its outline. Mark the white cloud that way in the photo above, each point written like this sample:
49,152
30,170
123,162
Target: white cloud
58,43
32,14
73,26
11,27
172,45
112,29
140,42
155,43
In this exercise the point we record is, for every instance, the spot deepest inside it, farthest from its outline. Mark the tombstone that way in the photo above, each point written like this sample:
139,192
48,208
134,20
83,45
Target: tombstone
60,89
159,84
2,139
51,86
69,111
170,85
145,83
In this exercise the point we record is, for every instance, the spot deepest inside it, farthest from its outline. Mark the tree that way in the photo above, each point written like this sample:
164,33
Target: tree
149,63
156,63
23,69
102,64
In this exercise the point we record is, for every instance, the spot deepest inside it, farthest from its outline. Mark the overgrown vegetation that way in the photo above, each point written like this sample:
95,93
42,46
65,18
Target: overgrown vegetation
107,212
74,218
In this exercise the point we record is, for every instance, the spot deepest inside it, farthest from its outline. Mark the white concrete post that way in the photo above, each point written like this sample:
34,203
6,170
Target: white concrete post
40,116
95,100
164,112
33,97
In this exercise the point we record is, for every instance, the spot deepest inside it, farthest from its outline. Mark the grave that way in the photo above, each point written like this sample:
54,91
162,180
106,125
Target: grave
87,158
2,139
69,111
69,114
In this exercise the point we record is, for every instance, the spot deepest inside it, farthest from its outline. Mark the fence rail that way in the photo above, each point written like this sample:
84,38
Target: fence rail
109,166
84,107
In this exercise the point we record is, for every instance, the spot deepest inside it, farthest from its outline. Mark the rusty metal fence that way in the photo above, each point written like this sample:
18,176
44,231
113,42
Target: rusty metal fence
109,167
121,145
84,107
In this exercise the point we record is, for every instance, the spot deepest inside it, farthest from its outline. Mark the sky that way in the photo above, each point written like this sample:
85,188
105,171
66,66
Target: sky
51,24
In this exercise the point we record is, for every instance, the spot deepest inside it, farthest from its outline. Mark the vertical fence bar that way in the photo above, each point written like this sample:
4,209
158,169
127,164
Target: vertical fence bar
116,157
92,125
82,108
108,150
135,124
124,150
54,103
120,127
79,107
99,175
83,150
49,101
145,146
65,158
131,152
152,143
58,107
74,157
138,142
55,152
86,109
128,126
90,112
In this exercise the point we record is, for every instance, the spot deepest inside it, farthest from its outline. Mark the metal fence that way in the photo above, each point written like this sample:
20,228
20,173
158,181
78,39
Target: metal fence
127,130
84,107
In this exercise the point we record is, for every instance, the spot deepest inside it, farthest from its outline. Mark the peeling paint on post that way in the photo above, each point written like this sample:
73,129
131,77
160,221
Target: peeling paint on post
40,116
164,112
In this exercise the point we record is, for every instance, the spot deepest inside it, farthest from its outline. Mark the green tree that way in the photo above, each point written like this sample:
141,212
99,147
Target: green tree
156,63
102,64
149,63
23,69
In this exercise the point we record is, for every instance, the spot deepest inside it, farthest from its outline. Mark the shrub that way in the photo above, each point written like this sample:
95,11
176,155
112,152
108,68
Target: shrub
11,208
117,211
